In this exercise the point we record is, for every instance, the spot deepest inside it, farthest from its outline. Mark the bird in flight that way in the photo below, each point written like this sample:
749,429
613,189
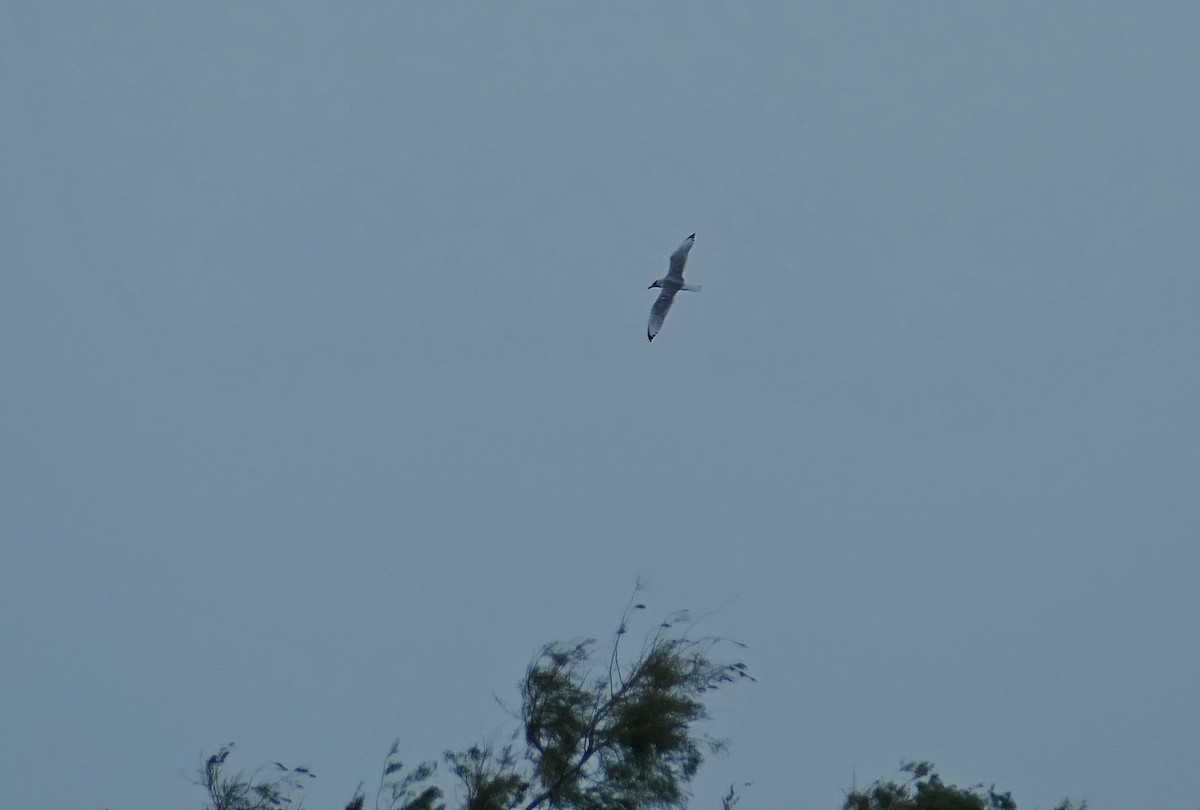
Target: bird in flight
671,283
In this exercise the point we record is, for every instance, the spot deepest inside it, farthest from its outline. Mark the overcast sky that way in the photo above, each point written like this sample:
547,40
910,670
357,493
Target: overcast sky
327,399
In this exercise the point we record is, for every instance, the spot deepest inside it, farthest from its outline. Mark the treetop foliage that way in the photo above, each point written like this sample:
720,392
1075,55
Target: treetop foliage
240,791
599,730
923,789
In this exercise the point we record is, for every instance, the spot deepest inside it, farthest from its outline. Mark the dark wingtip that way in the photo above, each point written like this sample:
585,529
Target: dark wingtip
693,236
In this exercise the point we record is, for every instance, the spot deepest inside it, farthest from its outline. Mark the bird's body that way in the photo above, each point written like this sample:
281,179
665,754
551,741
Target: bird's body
670,284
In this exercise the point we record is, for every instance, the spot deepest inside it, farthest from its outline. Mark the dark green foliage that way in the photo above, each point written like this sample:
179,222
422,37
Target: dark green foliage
622,738
600,732
242,792
489,777
925,790
405,792
555,710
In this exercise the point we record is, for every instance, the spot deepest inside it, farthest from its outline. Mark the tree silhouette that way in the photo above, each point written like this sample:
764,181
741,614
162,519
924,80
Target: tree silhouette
599,730
923,789
240,791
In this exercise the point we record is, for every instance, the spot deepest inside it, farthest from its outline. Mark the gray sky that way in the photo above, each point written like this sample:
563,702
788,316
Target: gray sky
327,397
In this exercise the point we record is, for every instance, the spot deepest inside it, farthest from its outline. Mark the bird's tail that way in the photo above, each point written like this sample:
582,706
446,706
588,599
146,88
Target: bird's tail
692,287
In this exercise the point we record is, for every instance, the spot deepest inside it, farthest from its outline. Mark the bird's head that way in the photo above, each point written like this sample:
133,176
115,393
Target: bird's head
655,284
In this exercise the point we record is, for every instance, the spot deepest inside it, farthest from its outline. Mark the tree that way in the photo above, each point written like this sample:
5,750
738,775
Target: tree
250,792
598,731
923,789
623,738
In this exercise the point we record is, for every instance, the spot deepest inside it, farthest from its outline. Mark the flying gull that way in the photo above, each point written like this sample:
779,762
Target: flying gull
671,283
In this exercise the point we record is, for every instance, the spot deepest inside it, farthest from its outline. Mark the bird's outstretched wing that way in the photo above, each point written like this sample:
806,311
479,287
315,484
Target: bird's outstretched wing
679,258
658,313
